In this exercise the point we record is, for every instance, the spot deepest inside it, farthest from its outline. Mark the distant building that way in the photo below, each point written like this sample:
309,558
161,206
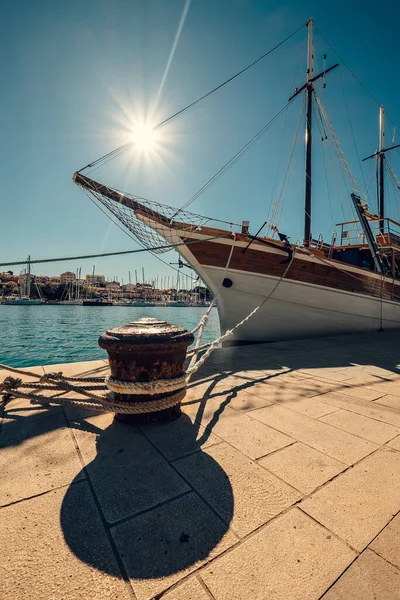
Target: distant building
5,277
95,280
114,286
42,279
67,277
129,287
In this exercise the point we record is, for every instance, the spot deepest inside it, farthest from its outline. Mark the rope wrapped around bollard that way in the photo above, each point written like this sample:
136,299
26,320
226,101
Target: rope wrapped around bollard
10,388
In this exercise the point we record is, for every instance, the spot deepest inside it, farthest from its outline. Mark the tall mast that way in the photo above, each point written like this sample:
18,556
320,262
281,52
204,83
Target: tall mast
309,93
380,169
308,87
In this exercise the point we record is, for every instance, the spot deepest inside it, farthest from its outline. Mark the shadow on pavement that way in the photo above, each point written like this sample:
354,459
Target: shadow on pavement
158,523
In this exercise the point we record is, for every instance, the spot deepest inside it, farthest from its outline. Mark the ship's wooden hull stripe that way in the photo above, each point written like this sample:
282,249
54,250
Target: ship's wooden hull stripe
269,263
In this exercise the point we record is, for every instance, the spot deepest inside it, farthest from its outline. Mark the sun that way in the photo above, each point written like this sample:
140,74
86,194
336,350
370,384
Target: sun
145,138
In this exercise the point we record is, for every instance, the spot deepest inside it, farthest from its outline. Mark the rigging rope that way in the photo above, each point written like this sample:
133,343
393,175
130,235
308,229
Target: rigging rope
345,170
352,130
234,159
113,153
348,68
138,250
283,192
272,207
324,138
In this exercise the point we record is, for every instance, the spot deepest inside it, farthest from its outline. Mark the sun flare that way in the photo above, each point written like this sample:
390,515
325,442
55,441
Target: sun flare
145,138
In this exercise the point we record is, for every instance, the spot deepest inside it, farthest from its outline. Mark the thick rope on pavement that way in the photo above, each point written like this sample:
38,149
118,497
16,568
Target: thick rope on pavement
11,389
105,404
51,376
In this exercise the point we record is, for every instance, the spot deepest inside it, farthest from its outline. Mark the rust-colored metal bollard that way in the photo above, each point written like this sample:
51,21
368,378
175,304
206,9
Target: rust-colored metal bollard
147,366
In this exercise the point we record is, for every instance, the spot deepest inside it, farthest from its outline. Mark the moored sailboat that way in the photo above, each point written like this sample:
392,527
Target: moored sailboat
24,298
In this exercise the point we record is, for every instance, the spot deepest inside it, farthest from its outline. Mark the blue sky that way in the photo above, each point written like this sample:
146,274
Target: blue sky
76,75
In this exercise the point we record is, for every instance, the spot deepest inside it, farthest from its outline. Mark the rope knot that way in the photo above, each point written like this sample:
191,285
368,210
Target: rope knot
51,376
10,383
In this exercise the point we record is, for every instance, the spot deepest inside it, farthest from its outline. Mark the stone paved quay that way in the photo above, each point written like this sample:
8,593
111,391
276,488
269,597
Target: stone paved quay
280,481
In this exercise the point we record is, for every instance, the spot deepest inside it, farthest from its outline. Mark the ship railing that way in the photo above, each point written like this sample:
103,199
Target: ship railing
386,232
321,245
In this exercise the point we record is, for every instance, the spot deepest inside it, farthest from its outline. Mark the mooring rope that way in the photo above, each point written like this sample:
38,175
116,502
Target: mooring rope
230,332
204,319
99,404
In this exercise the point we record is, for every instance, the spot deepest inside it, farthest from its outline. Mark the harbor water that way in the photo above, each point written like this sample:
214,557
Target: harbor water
50,334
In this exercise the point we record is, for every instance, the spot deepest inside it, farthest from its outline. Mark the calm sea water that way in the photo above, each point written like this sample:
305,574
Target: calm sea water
39,335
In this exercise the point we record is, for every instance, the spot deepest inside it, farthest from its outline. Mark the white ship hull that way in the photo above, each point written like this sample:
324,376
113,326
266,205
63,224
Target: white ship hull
295,309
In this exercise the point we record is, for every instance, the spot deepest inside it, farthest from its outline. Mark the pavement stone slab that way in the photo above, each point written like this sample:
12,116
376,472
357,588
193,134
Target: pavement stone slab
189,590
365,427
22,407
90,368
368,578
36,561
256,494
340,445
327,374
290,558
163,545
302,467
37,454
390,401
307,406
285,389
359,391
360,502
362,407
243,432
243,401
395,443
387,543
180,437
129,475
366,379
386,387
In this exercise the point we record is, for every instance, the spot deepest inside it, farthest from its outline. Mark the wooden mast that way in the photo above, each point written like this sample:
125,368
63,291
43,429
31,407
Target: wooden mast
380,169
309,89
309,92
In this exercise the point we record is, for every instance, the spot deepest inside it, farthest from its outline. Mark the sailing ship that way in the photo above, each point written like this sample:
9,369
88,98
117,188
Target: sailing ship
309,289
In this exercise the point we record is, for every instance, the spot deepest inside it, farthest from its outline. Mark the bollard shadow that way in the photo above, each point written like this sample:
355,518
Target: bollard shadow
144,489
